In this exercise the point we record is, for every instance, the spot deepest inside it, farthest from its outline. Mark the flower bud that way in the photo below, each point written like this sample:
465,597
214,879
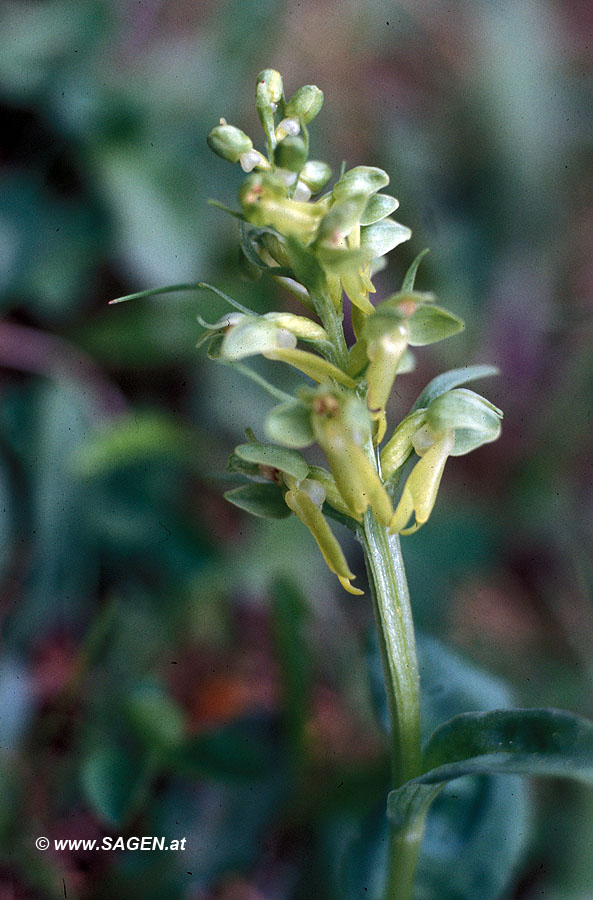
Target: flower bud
268,94
257,192
385,355
268,88
229,142
305,103
315,174
291,154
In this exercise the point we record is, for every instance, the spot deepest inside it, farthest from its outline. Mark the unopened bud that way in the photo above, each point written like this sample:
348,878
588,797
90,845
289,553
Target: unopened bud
315,174
305,103
291,154
268,94
268,89
229,142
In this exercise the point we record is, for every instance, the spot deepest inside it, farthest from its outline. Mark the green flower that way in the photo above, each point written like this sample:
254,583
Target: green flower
454,423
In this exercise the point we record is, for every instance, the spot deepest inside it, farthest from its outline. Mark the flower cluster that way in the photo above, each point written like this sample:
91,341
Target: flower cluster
323,247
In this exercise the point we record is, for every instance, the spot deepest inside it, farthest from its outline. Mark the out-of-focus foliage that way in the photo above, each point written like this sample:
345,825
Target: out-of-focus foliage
148,684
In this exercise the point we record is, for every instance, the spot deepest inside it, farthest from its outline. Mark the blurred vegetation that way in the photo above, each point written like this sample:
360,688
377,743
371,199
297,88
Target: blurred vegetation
169,667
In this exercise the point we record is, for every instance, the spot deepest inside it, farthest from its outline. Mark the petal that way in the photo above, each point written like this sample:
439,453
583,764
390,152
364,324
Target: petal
312,517
421,488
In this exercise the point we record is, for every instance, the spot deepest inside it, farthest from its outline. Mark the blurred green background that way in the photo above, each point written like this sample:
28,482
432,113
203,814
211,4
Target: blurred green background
171,667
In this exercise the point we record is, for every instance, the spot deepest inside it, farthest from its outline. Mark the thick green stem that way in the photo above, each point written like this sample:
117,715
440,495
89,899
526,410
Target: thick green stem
391,600
398,647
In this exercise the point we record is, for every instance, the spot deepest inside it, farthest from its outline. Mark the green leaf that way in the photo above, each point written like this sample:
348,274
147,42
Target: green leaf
263,500
452,379
432,323
290,616
410,276
476,827
281,458
134,438
111,779
378,207
289,424
511,741
380,238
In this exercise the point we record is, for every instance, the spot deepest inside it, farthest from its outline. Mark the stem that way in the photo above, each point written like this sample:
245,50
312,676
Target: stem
391,601
331,320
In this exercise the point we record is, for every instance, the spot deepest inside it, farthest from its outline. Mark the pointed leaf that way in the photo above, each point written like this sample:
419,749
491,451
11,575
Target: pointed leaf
263,500
452,379
110,780
289,461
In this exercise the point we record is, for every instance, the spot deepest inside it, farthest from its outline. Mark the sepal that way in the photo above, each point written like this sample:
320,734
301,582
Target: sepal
273,458
475,420
360,180
262,500
378,207
289,424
